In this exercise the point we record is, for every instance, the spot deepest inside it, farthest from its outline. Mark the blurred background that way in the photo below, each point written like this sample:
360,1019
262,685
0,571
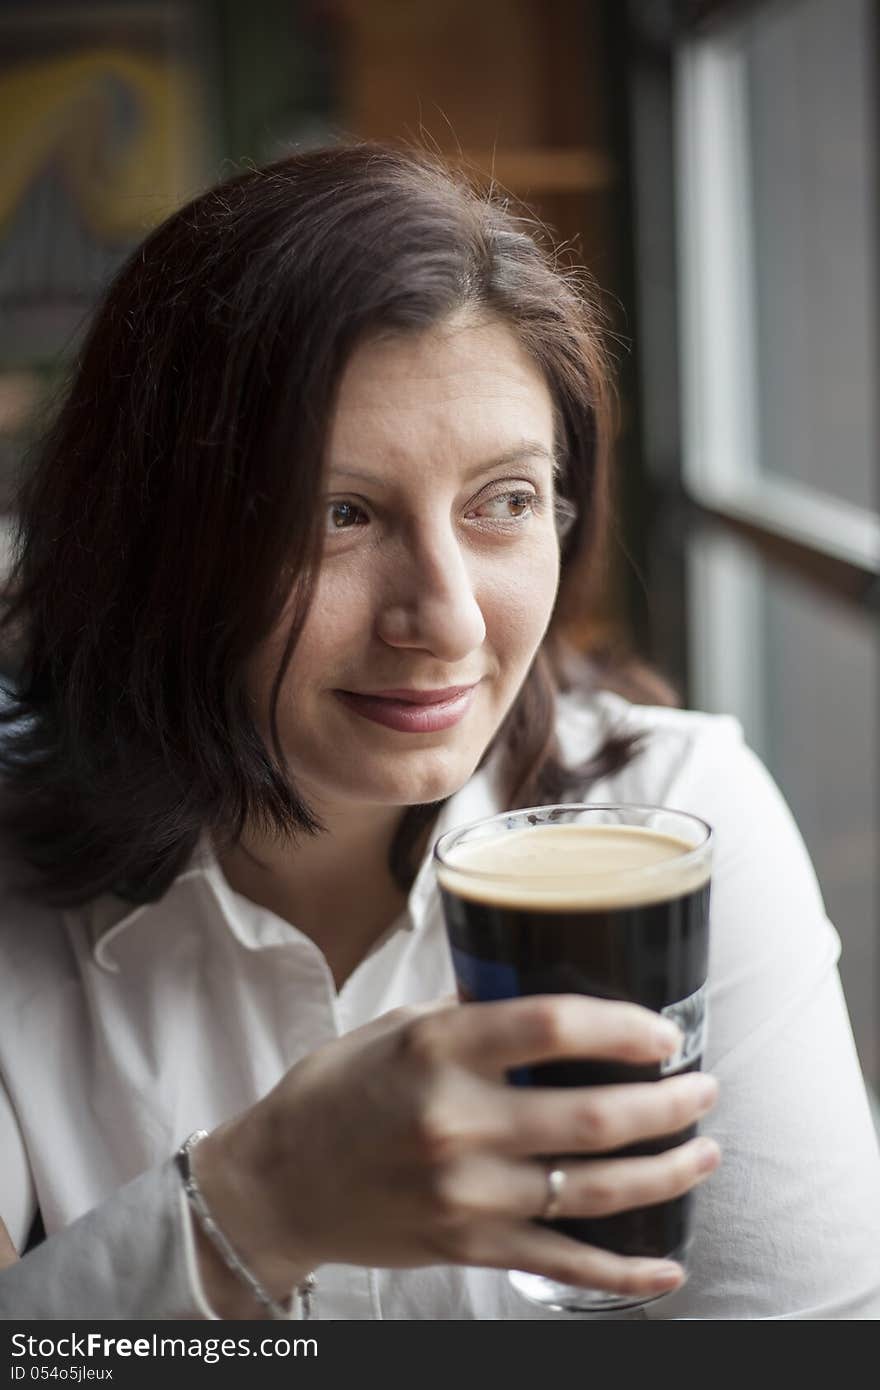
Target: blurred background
715,165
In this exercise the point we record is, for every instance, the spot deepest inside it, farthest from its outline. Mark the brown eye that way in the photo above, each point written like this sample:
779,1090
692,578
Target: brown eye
341,516
519,503
508,506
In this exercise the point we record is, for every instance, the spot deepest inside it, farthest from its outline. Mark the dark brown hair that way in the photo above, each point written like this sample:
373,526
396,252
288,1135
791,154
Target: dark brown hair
175,504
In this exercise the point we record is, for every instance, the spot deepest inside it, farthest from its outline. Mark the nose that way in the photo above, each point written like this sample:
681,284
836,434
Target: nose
431,603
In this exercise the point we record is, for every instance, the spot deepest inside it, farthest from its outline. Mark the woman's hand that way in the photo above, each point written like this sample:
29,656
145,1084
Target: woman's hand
402,1144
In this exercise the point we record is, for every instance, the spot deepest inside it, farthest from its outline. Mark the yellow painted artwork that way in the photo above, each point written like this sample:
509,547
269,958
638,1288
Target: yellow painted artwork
60,110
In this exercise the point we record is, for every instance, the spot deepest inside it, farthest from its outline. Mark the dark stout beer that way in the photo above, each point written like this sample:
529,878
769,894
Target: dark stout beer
615,911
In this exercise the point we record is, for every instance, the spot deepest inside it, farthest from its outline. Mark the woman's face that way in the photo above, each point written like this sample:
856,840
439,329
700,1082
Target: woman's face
439,573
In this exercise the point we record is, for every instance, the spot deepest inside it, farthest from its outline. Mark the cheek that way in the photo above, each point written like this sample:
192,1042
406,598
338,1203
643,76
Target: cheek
338,618
326,636
518,605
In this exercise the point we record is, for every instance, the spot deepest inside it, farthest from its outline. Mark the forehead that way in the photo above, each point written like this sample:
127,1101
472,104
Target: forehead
470,385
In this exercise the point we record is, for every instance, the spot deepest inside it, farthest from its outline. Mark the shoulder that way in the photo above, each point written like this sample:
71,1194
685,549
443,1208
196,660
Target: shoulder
771,940
700,763
669,743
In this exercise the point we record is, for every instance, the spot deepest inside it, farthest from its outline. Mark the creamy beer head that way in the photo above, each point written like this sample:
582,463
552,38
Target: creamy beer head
562,868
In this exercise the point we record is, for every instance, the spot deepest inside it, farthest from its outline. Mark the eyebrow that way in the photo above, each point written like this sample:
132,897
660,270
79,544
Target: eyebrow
526,448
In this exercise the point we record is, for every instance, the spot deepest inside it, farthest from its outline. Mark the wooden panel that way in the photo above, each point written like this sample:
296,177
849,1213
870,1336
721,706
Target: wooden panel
461,73
542,171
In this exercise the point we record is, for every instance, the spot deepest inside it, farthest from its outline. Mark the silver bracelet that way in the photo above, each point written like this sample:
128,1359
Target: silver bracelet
224,1247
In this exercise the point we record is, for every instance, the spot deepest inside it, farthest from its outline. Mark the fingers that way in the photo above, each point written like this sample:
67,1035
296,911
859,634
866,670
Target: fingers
538,1250
460,1110
599,1119
492,1038
601,1187
502,1244
481,1186
607,1186
477,1200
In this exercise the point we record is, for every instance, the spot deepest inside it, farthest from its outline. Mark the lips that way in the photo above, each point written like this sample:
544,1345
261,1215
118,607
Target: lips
411,711
419,697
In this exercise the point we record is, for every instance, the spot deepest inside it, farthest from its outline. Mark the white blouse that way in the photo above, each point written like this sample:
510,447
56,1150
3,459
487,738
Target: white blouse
122,1030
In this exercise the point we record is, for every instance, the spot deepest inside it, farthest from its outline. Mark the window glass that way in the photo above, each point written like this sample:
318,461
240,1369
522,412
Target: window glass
802,672
811,130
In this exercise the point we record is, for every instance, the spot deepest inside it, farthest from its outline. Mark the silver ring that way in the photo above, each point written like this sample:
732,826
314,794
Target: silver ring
556,1180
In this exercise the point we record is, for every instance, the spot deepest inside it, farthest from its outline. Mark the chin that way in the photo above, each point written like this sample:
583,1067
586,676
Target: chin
426,784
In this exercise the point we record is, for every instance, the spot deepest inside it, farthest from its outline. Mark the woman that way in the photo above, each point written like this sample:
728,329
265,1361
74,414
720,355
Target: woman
331,474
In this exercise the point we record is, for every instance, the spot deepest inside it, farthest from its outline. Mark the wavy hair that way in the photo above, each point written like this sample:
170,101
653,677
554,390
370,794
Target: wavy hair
174,506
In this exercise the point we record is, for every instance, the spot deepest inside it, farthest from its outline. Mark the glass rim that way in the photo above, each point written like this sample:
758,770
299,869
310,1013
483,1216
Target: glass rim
645,871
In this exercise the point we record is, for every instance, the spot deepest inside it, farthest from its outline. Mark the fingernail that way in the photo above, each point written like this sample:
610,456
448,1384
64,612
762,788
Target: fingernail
704,1090
668,1036
699,1090
666,1276
708,1155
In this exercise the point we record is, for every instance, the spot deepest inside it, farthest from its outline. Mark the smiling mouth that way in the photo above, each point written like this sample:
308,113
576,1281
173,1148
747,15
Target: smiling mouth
411,696
412,711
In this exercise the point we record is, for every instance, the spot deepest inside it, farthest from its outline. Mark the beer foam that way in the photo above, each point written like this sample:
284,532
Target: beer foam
558,868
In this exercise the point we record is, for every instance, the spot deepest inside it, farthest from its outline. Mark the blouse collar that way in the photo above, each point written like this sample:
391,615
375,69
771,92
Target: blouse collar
581,724
108,917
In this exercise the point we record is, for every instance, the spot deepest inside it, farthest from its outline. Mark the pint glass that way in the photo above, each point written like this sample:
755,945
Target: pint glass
606,900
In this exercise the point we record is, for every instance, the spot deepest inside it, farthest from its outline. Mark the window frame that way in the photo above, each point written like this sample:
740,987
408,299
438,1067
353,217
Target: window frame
721,468
712,539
